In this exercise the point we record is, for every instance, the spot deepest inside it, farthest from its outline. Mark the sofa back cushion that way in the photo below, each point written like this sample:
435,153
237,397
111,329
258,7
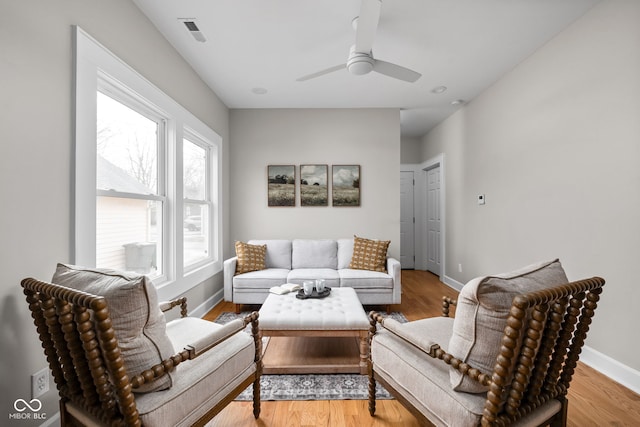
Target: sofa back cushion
481,316
345,253
314,254
278,253
139,325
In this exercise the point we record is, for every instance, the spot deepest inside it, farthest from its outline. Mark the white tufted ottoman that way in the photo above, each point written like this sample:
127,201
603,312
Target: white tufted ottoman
338,315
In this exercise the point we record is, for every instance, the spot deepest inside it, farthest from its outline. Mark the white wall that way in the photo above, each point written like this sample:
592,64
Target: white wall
410,149
554,145
366,137
36,151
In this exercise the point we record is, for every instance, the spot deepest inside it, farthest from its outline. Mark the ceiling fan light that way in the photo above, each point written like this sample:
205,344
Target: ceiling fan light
359,63
360,67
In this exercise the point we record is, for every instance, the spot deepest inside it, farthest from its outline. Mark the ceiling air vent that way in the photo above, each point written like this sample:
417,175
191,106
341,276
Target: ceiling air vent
193,29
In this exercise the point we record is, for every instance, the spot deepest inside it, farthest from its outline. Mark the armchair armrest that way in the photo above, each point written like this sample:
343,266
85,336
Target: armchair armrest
446,302
426,346
168,305
200,347
209,341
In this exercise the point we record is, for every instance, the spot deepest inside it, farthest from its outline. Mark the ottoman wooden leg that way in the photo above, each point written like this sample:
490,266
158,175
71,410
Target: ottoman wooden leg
364,352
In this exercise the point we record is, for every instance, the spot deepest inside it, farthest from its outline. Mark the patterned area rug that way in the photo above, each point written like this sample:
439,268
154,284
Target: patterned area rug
312,386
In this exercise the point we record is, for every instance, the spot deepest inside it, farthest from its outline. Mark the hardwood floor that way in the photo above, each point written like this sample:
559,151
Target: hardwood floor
594,399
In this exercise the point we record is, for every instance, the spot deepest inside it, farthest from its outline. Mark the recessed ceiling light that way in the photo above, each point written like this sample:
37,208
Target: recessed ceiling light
457,102
259,90
439,89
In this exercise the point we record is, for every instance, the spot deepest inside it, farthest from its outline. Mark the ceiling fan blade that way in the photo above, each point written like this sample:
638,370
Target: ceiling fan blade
321,73
395,71
367,24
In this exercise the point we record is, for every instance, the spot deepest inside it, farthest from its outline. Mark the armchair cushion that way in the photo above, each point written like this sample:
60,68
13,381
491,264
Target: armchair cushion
203,382
250,257
481,316
369,254
423,380
139,324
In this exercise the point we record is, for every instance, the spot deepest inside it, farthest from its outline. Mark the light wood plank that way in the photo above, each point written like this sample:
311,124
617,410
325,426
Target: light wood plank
594,400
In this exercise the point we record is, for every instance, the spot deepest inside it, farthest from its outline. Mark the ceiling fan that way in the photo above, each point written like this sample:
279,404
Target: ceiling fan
361,60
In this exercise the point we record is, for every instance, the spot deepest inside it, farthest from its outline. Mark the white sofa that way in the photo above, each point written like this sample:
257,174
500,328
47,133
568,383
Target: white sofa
294,261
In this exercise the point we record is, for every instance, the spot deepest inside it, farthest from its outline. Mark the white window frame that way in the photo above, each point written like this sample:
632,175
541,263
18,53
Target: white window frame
210,198
95,65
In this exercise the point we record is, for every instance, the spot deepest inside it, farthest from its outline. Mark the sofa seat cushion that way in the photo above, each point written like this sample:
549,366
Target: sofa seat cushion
278,253
365,279
139,325
200,383
299,275
263,279
481,316
424,381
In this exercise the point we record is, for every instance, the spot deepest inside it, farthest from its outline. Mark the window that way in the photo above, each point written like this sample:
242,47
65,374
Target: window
129,195
147,177
196,207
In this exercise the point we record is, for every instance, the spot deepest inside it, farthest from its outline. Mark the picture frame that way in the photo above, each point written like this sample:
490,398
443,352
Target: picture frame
314,185
345,185
281,187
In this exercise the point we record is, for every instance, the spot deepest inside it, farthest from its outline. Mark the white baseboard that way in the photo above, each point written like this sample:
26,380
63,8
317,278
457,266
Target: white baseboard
453,283
620,373
207,305
623,374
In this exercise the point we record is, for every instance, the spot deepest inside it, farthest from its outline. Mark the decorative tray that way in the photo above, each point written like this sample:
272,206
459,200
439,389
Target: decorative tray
314,294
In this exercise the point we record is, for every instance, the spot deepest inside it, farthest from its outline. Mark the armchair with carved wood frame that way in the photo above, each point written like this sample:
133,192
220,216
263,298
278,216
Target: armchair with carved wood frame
84,355
545,331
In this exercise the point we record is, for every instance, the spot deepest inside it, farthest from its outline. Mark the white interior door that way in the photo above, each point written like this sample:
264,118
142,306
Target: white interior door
407,220
433,220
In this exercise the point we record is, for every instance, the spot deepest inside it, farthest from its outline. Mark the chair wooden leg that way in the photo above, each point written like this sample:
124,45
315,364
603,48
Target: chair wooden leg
237,308
560,419
372,393
256,398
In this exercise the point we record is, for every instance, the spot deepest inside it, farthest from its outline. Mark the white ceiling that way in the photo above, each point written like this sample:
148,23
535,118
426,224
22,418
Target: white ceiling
465,45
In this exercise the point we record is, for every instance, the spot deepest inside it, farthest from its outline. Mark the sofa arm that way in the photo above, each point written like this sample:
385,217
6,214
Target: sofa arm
229,269
394,269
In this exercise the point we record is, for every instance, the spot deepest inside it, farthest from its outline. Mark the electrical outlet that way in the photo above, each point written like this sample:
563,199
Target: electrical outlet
459,268
39,383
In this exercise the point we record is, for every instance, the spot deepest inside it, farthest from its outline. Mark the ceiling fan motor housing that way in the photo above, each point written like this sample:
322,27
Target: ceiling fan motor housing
359,63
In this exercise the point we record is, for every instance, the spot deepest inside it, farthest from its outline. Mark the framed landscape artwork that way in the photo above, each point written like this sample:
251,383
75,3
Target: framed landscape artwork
281,189
345,185
314,190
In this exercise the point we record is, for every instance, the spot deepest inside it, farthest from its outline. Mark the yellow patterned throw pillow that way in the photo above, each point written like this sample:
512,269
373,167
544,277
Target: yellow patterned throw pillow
250,257
369,254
